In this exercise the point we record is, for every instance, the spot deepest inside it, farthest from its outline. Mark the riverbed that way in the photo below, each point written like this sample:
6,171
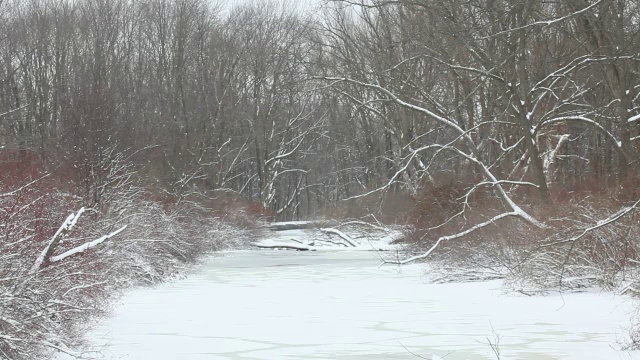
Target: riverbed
342,305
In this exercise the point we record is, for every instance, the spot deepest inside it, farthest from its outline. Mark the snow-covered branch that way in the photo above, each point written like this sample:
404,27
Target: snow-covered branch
342,235
86,246
47,252
13,110
600,224
450,237
23,187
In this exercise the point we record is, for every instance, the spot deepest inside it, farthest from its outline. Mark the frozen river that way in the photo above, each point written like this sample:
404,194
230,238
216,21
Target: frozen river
341,305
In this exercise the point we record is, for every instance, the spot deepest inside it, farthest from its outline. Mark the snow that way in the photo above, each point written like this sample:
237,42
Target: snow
331,239
342,305
86,246
67,225
285,223
347,239
284,244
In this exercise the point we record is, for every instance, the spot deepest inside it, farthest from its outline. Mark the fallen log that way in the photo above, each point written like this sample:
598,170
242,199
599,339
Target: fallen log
284,246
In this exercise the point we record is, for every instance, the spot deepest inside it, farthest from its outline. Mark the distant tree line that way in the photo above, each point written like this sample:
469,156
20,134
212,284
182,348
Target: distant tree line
299,112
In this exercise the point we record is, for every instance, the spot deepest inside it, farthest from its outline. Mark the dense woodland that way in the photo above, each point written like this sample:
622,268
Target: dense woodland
451,115
299,112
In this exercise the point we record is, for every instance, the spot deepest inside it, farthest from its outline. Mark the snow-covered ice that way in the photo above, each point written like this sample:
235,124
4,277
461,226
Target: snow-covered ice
341,305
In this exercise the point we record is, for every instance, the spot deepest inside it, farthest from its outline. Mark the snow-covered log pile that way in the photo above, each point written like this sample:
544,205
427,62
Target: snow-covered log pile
330,235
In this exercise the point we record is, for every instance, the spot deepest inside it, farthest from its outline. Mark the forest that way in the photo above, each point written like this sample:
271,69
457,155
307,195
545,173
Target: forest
504,133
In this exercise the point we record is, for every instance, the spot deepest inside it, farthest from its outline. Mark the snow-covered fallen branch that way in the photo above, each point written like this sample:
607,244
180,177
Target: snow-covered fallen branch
47,252
339,233
46,256
86,246
450,237
601,223
288,246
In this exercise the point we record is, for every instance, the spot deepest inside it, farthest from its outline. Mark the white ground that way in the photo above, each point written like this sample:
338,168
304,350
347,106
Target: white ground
341,305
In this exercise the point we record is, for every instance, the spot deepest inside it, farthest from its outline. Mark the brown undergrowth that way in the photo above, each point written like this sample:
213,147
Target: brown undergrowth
578,248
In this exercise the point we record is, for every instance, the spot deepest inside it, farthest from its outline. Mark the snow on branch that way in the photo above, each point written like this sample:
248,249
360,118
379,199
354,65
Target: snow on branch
16,109
363,223
634,118
585,120
13,192
395,176
550,157
46,256
46,253
452,237
601,223
344,236
393,97
451,124
62,348
86,246
544,23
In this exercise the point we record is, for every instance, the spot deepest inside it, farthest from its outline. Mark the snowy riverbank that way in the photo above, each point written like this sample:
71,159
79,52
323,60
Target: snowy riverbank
342,305
312,236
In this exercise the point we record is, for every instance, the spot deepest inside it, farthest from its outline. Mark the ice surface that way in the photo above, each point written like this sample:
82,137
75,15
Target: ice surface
341,305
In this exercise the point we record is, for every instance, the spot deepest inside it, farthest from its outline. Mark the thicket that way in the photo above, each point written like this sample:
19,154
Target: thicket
134,236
